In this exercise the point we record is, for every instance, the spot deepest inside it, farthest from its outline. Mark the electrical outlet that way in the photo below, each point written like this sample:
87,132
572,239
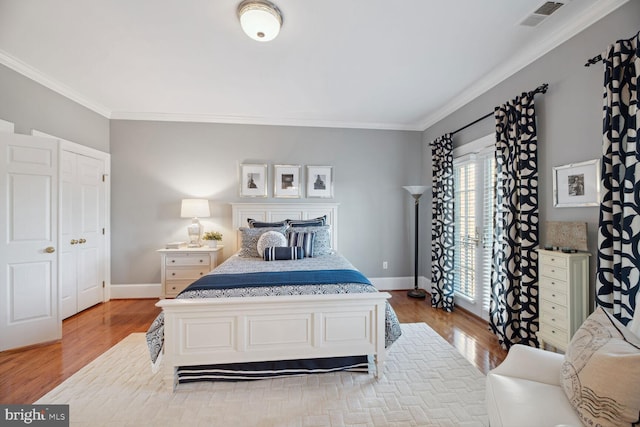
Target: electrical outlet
385,265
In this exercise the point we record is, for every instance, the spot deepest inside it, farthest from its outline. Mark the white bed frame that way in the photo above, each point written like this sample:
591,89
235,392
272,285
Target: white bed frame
234,330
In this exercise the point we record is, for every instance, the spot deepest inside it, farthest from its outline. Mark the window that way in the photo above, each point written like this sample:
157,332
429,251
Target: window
474,182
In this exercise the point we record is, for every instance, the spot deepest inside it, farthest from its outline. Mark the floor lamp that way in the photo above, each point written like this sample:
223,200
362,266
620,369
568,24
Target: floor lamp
416,191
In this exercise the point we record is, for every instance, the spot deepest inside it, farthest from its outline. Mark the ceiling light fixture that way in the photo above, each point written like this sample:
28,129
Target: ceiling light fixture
260,19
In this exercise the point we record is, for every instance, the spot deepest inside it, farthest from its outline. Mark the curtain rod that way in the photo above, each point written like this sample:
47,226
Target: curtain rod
598,58
540,89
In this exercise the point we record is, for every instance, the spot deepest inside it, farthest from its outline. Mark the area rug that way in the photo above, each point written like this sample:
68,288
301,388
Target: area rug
426,383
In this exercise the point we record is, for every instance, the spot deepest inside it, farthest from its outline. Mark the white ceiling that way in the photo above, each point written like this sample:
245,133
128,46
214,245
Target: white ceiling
376,64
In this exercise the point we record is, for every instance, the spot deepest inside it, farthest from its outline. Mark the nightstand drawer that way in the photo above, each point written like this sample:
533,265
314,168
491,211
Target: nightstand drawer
188,259
556,320
553,271
174,287
185,273
559,298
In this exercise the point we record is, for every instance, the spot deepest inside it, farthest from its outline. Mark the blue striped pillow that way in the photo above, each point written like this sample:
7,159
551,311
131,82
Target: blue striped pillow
253,223
321,220
281,253
302,239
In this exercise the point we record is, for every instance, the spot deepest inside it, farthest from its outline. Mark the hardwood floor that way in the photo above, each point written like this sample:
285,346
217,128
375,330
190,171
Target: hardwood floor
26,375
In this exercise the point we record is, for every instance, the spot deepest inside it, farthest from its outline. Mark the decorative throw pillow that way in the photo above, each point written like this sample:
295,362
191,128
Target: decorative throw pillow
269,239
302,239
314,222
601,372
277,253
261,224
250,236
321,241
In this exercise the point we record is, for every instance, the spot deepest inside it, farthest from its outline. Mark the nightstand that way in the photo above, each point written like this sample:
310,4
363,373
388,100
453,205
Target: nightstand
181,267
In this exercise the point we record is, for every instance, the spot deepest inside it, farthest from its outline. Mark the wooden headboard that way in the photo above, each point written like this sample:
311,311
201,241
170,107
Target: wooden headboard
272,212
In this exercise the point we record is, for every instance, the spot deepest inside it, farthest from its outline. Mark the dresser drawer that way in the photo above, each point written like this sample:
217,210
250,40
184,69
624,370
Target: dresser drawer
559,298
553,284
556,320
186,273
553,271
555,335
555,261
550,308
187,259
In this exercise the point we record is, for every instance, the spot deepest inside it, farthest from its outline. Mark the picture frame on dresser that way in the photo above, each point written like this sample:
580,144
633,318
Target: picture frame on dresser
320,181
253,180
577,184
286,181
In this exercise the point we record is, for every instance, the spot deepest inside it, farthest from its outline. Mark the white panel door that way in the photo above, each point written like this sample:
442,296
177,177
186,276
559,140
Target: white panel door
82,219
90,245
28,241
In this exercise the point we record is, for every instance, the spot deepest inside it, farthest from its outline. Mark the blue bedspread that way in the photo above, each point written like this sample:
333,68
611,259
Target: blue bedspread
307,277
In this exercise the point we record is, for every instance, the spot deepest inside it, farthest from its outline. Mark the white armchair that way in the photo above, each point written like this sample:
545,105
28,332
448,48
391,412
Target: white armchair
525,390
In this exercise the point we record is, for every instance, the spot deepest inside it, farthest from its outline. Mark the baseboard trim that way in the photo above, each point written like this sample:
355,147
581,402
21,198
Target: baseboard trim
136,291
399,283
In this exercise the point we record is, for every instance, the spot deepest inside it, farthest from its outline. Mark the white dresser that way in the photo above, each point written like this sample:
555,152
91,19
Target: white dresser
181,267
563,299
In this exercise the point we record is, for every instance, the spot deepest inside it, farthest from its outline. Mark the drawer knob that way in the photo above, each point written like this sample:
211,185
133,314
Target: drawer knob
553,295
173,260
174,288
173,274
201,260
553,307
553,332
553,320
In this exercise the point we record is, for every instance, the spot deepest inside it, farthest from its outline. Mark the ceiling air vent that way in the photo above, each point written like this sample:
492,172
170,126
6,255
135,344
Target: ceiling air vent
541,13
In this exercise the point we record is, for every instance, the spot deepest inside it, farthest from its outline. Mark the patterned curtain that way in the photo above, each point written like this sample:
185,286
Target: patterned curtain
514,278
618,274
442,222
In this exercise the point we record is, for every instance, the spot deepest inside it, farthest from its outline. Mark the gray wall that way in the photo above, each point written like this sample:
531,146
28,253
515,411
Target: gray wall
569,115
32,106
156,164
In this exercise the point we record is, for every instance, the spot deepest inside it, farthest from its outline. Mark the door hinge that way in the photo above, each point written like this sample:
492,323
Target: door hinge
103,283
104,177
103,231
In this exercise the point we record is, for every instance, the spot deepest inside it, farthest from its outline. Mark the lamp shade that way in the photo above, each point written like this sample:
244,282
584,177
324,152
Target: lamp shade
195,208
261,20
416,190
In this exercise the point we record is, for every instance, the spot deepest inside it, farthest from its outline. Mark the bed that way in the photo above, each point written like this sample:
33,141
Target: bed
252,311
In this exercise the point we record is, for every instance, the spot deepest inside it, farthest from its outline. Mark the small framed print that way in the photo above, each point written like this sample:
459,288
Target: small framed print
320,181
286,181
577,184
253,180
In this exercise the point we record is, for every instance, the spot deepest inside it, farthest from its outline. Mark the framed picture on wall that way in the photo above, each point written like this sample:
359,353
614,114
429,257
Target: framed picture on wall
253,180
577,184
320,181
286,181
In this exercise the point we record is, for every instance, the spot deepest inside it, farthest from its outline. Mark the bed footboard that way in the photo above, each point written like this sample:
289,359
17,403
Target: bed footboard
252,329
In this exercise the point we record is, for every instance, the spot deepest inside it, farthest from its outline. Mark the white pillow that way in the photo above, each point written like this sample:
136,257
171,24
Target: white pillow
270,239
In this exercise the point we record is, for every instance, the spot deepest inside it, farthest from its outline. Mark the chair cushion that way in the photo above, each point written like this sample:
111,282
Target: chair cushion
520,402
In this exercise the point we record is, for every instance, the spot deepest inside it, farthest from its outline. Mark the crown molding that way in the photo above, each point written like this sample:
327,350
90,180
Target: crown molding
598,11
50,83
253,120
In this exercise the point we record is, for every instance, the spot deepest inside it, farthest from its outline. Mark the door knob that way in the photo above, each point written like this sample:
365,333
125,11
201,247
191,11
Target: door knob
82,241
74,241
50,249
